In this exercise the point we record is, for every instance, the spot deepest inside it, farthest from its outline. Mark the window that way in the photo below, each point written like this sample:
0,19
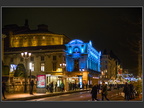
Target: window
76,50
64,58
54,66
54,57
42,58
43,37
21,59
31,66
11,60
52,40
42,67
31,58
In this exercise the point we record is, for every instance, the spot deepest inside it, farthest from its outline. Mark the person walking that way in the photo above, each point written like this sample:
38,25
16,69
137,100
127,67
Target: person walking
31,87
3,89
51,87
94,92
104,92
62,87
131,87
126,91
56,87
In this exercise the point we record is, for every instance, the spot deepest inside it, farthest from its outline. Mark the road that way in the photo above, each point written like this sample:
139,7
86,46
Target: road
115,95
81,96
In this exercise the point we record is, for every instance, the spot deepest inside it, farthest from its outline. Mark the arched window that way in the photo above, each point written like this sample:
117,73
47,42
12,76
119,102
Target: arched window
76,50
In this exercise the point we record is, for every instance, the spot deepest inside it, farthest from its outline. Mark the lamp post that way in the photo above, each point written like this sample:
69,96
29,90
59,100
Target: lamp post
25,55
63,65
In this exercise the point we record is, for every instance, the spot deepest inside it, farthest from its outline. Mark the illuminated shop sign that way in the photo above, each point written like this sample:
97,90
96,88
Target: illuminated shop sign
41,81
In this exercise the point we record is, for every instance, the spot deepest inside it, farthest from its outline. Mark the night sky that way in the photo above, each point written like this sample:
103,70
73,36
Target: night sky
111,28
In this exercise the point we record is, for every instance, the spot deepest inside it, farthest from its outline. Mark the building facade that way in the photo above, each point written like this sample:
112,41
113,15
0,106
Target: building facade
82,61
49,50
109,67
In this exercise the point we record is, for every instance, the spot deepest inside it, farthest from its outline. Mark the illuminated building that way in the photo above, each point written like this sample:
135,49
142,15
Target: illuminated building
46,48
82,61
49,50
109,66
3,36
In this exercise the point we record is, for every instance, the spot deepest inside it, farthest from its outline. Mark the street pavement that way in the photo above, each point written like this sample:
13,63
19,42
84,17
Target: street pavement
113,95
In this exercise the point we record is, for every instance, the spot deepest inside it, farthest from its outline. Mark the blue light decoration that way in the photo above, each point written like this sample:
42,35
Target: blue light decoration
84,53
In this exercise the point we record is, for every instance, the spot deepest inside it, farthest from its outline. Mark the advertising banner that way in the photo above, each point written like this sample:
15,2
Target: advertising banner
41,81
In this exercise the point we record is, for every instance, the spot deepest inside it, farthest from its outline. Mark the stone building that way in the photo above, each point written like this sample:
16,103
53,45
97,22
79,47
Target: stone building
83,61
109,66
48,50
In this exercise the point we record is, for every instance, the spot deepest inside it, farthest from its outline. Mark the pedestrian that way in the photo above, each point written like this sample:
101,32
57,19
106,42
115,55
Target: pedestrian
47,87
56,87
126,91
104,92
31,87
99,88
94,92
131,87
51,87
86,86
70,86
62,87
3,89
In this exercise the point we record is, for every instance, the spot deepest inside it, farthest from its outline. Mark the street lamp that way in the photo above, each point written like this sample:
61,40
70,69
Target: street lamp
63,65
25,55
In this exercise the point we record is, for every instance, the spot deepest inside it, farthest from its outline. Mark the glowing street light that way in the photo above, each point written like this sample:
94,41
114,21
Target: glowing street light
25,55
63,65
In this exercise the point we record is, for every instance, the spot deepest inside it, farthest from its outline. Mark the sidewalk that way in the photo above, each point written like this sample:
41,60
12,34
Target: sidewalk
27,96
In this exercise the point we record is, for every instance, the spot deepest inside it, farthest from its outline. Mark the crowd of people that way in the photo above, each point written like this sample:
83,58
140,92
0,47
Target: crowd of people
128,90
54,87
51,87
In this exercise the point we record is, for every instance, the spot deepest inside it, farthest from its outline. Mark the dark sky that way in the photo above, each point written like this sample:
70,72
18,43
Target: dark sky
109,28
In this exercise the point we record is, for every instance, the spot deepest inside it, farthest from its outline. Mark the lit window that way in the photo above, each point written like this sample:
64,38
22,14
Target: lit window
43,37
52,39
42,67
31,66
